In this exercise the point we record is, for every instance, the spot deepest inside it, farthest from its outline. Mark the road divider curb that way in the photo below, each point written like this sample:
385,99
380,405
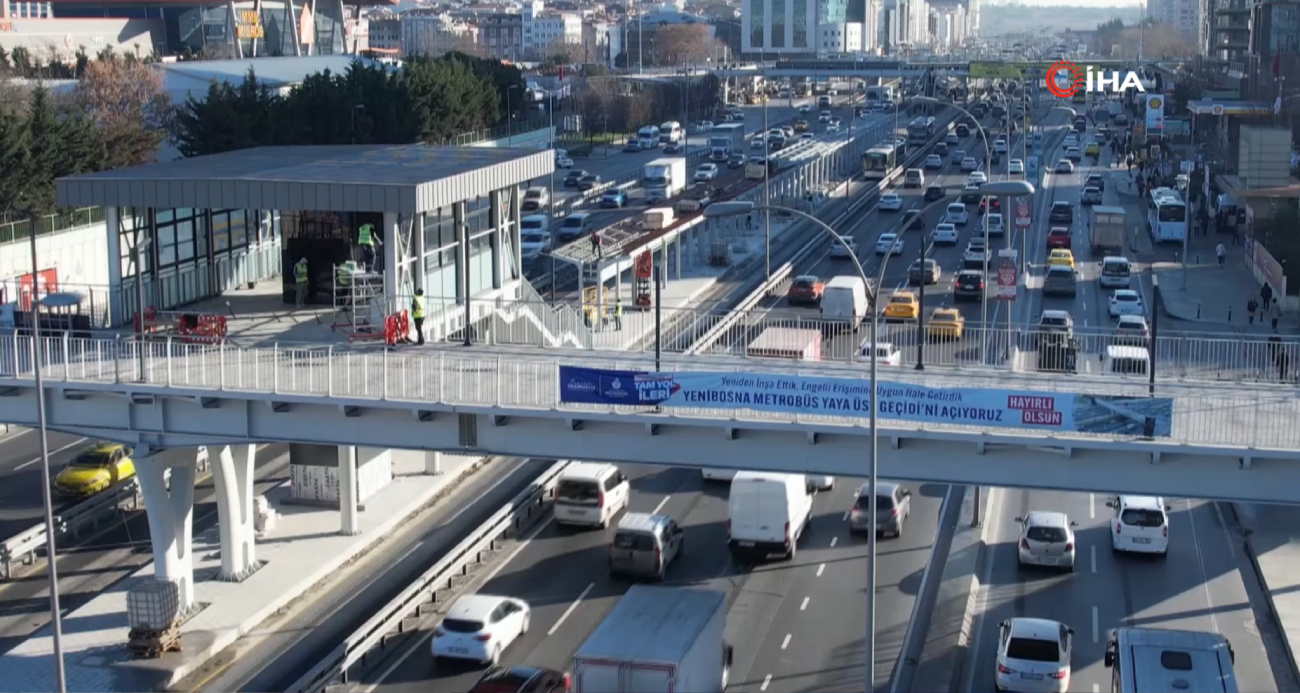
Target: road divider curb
430,590
1274,613
24,547
941,655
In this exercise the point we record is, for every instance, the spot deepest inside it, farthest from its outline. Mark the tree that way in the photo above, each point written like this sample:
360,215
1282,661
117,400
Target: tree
59,143
449,97
125,100
14,154
680,44
226,119
507,79
1108,35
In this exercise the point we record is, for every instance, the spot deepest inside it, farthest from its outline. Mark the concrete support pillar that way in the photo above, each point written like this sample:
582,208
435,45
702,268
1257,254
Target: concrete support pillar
391,248
169,504
349,519
432,462
233,476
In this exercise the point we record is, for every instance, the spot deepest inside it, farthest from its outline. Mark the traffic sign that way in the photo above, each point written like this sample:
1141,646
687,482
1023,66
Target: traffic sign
1023,218
1007,279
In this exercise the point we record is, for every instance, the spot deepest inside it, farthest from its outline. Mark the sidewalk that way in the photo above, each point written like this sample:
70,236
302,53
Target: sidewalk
303,549
1214,295
1273,543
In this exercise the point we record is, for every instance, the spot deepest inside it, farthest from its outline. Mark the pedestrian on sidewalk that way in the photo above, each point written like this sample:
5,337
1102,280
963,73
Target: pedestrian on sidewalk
1274,312
1222,253
1251,306
1266,294
597,245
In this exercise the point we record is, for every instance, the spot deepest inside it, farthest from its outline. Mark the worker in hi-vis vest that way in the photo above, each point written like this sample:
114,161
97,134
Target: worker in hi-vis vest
366,238
342,280
417,315
300,282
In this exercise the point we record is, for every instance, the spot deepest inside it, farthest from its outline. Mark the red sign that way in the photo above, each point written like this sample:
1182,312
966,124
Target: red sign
644,265
1023,216
1007,279
48,284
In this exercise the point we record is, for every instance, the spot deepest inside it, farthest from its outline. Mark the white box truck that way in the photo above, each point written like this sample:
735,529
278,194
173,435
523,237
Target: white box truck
657,640
663,178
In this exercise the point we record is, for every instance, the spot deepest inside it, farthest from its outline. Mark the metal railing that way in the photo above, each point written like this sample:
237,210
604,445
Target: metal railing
436,586
1218,414
25,546
69,220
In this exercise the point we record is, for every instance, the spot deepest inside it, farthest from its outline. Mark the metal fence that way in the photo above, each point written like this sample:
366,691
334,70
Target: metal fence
1177,355
67,220
1219,414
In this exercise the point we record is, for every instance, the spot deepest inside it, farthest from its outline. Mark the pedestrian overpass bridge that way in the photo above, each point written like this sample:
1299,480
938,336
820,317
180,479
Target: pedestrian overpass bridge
1185,439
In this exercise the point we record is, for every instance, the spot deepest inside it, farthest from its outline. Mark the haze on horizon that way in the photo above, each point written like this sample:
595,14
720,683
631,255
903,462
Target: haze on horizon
1090,4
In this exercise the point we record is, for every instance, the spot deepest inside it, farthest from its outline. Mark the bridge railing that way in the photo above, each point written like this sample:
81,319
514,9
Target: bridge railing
1256,416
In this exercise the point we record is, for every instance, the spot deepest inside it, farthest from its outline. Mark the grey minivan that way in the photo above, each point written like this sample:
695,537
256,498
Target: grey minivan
644,545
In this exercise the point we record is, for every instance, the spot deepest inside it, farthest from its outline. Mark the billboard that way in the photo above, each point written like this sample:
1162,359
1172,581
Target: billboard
1155,120
851,397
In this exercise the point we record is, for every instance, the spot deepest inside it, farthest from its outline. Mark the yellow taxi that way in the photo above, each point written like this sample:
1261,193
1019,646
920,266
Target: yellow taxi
1062,257
1092,149
801,126
96,469
946,323
902,306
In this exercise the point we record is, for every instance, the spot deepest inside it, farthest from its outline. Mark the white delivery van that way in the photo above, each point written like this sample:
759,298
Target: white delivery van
590,494
1126,361
767,513
1116,273
844,301
657,218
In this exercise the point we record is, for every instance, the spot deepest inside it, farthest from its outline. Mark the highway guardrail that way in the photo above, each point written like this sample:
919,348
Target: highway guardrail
24,546
429,591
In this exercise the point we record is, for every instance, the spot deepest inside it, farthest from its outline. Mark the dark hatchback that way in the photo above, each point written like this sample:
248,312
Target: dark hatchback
1062,213
522,680
969,285
934,192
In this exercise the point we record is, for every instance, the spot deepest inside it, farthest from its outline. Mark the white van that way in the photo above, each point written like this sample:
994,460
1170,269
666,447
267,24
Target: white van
1140,524
767,513
590,494
1126,361
844,300
913,178
1116,272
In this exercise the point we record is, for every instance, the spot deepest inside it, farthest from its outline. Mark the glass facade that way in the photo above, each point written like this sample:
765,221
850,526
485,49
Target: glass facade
1284,36
800,38
832,11
756,15
778,24
184,238
442,250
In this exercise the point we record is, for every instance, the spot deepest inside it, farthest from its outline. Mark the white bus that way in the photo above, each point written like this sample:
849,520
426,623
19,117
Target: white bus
879,161
879,93
1166,216
1153,660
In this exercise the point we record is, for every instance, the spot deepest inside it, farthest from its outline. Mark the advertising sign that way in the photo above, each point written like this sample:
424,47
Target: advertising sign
797,394
1155,120
1007,279
1024,217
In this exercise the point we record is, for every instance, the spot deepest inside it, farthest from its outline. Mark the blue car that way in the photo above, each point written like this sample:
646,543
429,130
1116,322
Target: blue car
613,198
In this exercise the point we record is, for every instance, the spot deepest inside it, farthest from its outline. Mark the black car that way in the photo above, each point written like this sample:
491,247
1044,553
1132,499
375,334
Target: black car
1095,180
572,177
588,181
1062,213
962,130
736,161
521,680
934,192
913,221
941,149
971,195
969,285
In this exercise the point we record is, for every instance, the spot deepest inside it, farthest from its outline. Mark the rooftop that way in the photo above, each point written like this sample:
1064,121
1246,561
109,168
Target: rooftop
404,179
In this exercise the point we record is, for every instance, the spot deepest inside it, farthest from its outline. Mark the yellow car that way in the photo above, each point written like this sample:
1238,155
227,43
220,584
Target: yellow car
1092,149
902,306
946,323
1062,257
95,470
801,126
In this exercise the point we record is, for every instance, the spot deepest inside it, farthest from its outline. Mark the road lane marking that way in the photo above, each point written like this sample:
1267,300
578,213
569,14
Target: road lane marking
804,605
766,680
1092,550
846,515
820,568
980,595
1200,563
31,462
834,541
1092,506
569,611
1096,688
786,642
1095,626
661,505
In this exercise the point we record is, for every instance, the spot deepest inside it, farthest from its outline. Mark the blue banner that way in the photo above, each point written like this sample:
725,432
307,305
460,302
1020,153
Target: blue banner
795,394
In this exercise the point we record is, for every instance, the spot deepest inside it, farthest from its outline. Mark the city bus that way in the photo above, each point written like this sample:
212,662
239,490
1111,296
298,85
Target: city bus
921,129
879,161
1166,216
1154,660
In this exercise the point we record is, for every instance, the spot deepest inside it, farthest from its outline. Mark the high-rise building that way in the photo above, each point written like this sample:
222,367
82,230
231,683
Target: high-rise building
1183,15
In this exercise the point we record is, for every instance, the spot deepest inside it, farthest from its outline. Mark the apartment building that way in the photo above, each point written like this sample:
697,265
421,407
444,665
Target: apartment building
797,27
1183,15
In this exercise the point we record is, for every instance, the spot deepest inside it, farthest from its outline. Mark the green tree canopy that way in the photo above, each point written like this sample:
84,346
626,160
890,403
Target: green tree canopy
40,143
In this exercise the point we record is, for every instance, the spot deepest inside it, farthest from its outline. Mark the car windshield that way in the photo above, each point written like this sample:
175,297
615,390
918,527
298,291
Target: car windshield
883,502
1047,534
1125,299
92,460
900,299
803,283
1142,518
458,625
1053,321
1033,650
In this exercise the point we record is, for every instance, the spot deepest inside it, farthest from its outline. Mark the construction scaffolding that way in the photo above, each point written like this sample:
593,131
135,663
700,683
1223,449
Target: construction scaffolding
359,306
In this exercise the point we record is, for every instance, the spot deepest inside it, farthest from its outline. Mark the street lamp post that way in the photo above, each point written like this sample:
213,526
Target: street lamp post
723,209
550,201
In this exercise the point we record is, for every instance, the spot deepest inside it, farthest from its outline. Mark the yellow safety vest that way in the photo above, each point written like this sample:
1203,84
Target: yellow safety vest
417,307
345,276
364,237
300,273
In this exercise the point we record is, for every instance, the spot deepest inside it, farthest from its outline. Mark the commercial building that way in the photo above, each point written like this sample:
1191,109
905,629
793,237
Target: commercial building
798,27
1183,15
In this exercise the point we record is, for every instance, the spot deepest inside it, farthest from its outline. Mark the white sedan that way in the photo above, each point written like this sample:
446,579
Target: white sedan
563,161
886,353
890,202
934,161
945,233
706,172
889,244
704,125
956,214
479,627
977,178
1065,166
1125,302
1034,655
969,164
1000,146
1070,141
1016,167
